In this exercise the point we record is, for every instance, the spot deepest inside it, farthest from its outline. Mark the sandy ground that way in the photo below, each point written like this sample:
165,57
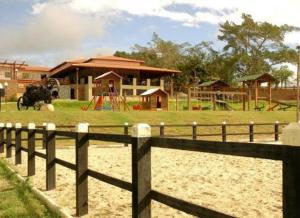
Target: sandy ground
242,187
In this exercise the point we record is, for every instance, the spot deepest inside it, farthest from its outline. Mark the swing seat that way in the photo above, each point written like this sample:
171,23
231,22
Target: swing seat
196,108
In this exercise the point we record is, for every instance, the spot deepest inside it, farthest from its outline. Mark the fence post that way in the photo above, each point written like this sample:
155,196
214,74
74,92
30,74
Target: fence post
276,131
251,132
49,139
8,139
44,136
224,136
162,129
126,132
82,143
291,181
141,171
194,130
31,149
18,152
1,137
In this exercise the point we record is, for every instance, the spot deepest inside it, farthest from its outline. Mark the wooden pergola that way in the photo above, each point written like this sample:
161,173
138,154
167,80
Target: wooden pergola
214,85
255,81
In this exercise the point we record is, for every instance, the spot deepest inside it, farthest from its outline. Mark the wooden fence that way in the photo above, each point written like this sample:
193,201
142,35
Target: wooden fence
141,142
196,130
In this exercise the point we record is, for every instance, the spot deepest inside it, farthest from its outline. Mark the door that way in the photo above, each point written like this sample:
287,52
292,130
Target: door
111,85
72,93
158,102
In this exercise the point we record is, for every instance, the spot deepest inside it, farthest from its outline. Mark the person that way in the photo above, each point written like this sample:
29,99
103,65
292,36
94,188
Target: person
44,80
111,86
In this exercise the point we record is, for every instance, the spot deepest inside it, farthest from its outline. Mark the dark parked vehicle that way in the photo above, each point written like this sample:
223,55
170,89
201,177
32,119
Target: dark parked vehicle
37,95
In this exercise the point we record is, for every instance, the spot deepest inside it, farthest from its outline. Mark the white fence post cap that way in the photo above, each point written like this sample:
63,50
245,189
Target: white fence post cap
82,127
31,125
224,122
44,124
194,123
162,123
277,122
9,125
141,130
1,125
50,126
126,124
251,122
18,125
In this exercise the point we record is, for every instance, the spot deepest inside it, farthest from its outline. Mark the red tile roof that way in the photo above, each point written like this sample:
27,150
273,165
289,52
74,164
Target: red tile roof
35,68
117,66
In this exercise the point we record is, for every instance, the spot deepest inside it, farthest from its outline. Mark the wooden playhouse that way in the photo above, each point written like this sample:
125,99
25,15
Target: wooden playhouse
154,99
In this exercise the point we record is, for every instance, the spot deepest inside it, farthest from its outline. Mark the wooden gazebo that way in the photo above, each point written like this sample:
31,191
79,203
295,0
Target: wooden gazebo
254,81
214,85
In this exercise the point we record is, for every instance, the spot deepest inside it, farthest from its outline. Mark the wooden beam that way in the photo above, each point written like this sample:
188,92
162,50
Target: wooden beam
77,85
270,93
256,93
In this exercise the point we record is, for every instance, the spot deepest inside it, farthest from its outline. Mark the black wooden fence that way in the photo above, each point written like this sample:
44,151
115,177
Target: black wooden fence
196,130
142,193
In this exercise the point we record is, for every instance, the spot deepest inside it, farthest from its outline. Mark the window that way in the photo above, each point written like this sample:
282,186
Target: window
25,75
7,75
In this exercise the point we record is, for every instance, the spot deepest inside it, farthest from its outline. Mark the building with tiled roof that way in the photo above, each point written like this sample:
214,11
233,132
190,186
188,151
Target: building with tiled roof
77,76
18,76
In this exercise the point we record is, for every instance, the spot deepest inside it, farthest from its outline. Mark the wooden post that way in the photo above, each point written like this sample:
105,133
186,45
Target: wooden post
251,132
176,101
194,130
44,136
189,99
2,137
82,143
224,136
8,139
126,132
31,149
172,88
50,156
77,85
291,181
249,95
18,151
256,94
162,129
141,171
276,131
270,93
243,98
214,101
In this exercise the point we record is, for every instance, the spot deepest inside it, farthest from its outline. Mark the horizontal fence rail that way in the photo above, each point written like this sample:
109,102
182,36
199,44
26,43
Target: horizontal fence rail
223,130
141,142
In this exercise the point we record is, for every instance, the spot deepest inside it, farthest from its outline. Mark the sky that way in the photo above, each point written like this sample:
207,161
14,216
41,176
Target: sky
48,32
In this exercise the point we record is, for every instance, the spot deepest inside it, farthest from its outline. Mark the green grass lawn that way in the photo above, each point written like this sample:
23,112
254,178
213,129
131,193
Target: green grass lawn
16,198
69,113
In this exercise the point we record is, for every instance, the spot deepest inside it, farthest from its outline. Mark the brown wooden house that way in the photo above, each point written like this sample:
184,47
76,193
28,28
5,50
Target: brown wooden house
154,99
107,82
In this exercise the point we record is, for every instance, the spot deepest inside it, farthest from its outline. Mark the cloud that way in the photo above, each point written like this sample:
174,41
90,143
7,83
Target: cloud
280,12
51,27
64,27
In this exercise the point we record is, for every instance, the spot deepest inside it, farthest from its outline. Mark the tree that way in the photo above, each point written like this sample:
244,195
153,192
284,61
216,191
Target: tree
256,47
282,75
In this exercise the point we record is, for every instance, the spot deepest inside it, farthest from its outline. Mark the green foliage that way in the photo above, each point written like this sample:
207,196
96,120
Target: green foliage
250,48
256,46
282,75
